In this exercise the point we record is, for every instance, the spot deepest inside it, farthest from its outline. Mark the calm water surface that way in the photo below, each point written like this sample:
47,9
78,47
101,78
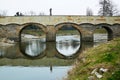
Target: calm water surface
33,73
37,49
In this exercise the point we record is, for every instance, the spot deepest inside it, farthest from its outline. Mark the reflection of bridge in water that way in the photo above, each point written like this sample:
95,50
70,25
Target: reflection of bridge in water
50,56
51,49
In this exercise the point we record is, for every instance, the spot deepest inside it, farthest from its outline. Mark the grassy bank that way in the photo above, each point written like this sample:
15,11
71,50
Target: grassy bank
105,56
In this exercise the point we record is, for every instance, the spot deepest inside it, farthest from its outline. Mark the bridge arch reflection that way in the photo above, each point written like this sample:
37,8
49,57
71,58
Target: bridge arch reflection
50,51
28,44
71,46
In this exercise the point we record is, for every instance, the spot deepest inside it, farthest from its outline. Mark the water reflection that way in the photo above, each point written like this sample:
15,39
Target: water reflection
68,48
35,47
65,45
48,62
2,51
68,45
11,52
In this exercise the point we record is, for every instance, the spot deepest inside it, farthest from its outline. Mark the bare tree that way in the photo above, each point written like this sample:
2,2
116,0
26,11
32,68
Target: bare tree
29,13
107,8
32,13
3,13
89,12
41,13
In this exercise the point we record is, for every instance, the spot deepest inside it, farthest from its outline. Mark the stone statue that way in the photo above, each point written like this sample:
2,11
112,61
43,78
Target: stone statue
50,11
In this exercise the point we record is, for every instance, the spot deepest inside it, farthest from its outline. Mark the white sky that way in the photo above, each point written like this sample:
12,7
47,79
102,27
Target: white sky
59,7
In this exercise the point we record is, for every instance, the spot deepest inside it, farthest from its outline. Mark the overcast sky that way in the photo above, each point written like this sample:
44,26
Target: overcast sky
59,7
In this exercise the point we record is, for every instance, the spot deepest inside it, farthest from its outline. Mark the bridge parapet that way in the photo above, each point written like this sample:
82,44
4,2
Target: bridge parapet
53,20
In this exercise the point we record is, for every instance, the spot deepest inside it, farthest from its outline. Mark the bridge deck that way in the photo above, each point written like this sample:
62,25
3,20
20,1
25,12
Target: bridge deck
53,20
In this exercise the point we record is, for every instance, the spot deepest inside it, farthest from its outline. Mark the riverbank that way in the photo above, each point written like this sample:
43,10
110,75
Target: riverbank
98,63
6,42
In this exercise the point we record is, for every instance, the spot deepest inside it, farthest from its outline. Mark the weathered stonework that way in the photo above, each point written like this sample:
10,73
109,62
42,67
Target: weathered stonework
11,27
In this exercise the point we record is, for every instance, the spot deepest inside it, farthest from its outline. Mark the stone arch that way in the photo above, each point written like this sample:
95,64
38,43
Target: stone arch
74,25
1,25
87,26
117,24
35,24
60,25
12,26
108,28
23,26
87,31
116,30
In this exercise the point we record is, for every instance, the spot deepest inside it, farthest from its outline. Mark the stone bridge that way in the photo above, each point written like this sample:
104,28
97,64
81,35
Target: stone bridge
11,26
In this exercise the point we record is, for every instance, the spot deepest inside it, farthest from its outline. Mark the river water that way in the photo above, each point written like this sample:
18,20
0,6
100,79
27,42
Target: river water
34,59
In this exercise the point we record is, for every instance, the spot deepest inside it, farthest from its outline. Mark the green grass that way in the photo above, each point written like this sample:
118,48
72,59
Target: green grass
115,75
103,56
